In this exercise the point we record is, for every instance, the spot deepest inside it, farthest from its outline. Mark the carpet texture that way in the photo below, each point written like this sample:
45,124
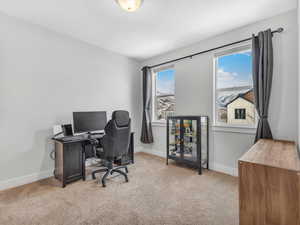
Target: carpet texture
155,195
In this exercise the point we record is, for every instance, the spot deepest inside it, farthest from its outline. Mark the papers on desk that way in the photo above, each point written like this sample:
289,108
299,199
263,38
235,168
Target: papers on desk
57,129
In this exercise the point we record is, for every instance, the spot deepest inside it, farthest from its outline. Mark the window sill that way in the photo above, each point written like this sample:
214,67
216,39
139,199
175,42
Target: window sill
159,123
164,123
234,129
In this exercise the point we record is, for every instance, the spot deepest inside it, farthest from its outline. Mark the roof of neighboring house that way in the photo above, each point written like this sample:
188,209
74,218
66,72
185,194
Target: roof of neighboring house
228,95
248,96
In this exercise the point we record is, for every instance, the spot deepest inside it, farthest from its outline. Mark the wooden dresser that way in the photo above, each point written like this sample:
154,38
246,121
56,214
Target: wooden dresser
269,184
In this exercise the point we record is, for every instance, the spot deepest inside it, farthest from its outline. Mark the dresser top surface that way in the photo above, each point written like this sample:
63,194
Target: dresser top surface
274,153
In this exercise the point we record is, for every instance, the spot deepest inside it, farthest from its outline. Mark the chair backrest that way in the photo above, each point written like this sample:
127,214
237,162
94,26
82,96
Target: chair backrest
117,135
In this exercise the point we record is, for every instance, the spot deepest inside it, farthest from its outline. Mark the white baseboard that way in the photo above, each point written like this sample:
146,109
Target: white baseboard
224,169
213,166
138,148
18,181
154,152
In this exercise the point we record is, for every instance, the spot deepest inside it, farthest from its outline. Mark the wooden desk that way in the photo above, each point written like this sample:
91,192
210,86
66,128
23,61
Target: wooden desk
70,159
269,184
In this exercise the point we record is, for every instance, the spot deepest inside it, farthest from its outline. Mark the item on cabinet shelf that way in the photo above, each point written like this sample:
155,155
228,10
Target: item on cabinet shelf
187,140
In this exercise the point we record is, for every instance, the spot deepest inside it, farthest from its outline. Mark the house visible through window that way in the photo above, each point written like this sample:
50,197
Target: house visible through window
163,93
234,97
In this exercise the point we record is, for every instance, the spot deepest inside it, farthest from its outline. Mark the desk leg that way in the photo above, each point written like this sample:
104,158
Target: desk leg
83,162
132,147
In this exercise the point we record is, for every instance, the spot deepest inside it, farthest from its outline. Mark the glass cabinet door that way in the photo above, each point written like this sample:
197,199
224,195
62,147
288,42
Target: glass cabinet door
174,137
190,140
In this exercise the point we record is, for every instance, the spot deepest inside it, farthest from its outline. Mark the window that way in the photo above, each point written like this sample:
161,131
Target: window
234,97
163,93
240,114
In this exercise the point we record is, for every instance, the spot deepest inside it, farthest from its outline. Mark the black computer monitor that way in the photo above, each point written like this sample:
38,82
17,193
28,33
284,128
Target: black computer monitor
89,121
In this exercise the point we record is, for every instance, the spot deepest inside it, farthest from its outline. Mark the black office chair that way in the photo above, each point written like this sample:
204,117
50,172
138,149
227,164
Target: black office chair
115,144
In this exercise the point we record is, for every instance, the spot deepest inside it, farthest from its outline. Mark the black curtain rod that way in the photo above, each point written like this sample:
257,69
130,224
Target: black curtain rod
279,30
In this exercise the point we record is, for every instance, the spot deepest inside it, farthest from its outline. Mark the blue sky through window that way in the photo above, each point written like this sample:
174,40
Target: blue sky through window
234,70
165,82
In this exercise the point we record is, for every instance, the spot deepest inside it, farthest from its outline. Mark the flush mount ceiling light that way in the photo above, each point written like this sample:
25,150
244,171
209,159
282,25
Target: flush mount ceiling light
130,5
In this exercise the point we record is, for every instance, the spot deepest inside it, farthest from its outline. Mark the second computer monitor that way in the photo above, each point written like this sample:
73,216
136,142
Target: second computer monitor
89,121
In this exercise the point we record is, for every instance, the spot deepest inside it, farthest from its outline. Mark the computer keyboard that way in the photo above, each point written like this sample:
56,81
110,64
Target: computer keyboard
95,136
81,137
73,138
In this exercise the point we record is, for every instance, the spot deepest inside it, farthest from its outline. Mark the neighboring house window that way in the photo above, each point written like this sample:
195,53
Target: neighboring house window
163,93
234,97
240,114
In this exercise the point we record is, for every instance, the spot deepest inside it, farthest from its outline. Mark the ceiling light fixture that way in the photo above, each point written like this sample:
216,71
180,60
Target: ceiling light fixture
130,5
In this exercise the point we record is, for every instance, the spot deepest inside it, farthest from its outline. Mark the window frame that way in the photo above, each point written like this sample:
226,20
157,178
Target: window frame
154,72
219,126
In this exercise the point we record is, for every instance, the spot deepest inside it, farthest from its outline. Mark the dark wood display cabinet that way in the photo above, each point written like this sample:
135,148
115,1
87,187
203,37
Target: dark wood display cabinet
188,140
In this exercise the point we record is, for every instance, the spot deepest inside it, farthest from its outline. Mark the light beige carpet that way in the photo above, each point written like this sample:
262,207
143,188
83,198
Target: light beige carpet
156,194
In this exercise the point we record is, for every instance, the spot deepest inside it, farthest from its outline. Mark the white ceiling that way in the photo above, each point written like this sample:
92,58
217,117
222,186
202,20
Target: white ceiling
159,26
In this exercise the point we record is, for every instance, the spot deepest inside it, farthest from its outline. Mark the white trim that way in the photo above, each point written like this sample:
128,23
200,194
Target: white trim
159,123
215,59
231,50
224,169
234,129
161,68
18,181
154,152
138,148
213,166
153,102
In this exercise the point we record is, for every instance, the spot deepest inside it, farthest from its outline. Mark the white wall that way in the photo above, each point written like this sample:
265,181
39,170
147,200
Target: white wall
44,77
194,90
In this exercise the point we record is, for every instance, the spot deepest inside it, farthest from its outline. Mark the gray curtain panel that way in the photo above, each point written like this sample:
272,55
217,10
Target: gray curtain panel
262,56
146,135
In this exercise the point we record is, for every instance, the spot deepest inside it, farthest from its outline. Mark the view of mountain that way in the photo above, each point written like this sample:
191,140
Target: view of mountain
226,95
165,104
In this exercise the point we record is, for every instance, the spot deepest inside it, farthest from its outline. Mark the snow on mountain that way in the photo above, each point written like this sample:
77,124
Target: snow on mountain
226,95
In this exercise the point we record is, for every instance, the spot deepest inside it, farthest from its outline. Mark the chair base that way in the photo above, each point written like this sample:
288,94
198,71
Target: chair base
110,171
